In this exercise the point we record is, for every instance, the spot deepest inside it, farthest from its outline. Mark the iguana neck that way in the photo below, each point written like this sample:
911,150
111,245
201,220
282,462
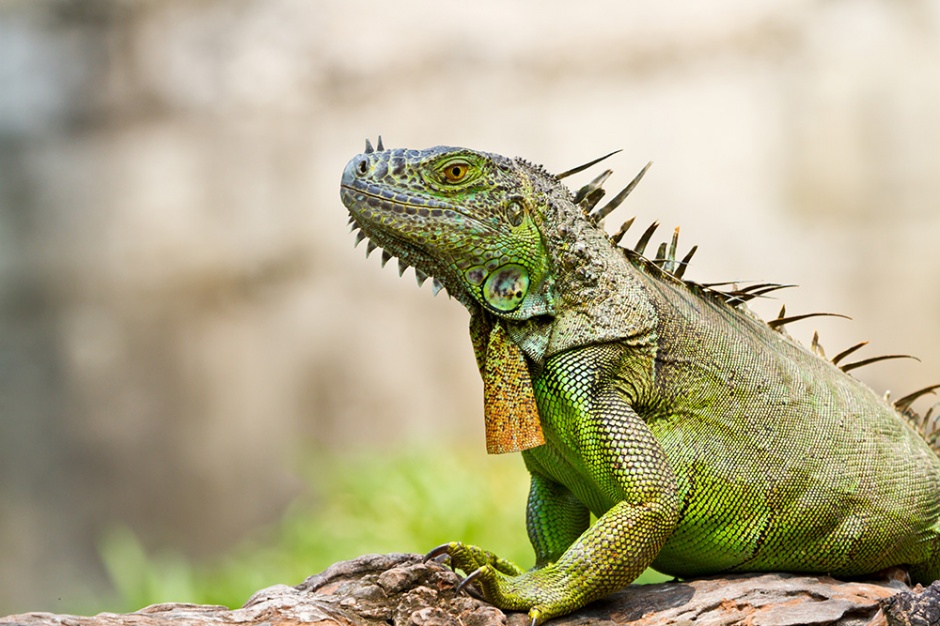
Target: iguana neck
597,294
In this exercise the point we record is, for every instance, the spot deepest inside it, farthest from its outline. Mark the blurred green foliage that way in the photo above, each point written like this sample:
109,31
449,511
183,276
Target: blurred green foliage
357,504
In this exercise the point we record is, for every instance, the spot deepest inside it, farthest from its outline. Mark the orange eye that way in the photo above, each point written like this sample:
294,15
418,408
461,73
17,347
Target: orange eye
456,171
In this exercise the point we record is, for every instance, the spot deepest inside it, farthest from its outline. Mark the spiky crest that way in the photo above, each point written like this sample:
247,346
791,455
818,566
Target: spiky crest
903,404
848,367
928,424
781,321
606,210
847,352
665,266
591,193
581,168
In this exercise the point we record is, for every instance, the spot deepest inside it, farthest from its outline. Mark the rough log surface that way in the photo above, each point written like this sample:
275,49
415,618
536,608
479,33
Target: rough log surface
401,589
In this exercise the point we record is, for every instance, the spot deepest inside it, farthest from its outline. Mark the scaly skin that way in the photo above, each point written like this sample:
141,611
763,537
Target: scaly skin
703,439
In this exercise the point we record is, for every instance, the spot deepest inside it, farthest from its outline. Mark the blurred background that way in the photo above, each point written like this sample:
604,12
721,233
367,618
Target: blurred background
195,362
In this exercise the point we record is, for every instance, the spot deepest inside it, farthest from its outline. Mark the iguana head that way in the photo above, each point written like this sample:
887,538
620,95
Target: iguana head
467,218
507,239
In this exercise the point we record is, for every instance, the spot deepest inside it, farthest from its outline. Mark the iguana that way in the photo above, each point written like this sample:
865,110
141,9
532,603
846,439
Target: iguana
703,439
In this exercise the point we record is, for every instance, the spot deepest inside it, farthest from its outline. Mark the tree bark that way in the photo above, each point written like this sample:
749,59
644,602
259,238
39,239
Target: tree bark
403,589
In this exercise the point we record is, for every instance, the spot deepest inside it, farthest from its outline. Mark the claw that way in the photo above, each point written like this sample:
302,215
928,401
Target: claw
469,579
439,551
441,556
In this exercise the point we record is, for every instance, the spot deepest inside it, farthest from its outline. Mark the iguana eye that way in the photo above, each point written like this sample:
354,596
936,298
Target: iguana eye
456,171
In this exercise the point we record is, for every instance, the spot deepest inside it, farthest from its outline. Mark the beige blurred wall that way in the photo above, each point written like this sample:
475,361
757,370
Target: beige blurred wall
181,308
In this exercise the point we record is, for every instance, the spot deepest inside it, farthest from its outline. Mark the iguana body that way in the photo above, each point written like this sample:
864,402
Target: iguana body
703,439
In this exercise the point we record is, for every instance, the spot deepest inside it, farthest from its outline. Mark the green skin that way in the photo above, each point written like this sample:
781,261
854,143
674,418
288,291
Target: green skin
703,440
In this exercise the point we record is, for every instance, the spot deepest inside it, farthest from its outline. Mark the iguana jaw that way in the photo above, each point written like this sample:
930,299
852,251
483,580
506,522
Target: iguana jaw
457,215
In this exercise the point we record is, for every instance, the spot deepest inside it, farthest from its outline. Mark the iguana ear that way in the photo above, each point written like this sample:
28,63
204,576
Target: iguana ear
512,417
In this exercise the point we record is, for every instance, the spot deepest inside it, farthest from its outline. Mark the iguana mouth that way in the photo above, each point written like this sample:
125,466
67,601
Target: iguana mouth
396,203
373,232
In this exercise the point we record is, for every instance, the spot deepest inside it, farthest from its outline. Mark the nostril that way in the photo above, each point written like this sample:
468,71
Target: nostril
363,167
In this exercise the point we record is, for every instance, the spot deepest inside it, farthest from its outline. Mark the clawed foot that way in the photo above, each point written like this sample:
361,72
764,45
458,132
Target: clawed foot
503,583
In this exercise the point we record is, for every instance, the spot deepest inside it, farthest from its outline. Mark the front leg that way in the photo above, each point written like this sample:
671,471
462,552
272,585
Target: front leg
588,420
555,518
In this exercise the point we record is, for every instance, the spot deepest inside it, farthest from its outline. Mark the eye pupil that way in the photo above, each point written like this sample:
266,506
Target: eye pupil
455,172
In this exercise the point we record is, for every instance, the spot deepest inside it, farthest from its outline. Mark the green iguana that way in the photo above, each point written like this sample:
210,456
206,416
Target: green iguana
704,439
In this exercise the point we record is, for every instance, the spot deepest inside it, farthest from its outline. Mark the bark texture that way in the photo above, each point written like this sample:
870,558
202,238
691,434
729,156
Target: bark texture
403,590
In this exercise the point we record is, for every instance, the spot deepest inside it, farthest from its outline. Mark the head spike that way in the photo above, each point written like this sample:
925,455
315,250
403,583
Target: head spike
671,255
379,145
757,290
581,168
903,404
605,210
369,148
684,263
589,195
645,238
386,257
591,201
778,323
622,230
661,253
592,186
816,346
765,288
848,367
847,352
